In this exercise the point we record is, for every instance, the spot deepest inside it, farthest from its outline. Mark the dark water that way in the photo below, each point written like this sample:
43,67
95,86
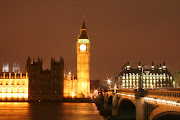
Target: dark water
48,111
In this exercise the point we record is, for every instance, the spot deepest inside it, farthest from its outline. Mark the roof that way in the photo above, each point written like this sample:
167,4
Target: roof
83,33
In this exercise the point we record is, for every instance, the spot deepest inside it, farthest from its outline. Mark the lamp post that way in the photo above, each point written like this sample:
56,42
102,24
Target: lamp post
141,78
140,104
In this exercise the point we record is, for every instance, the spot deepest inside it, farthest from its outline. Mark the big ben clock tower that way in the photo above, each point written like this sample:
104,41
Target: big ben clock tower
83,60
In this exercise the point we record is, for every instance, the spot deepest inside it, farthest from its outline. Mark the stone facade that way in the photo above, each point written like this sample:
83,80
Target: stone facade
45,84
153,77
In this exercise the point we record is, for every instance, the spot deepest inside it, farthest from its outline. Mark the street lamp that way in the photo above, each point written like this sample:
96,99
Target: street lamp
141,78
109,81
73,94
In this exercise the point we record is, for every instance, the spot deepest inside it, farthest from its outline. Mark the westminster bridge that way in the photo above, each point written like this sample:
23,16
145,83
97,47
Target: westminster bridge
140,104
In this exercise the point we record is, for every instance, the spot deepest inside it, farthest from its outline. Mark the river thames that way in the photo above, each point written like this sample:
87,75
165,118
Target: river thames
48,111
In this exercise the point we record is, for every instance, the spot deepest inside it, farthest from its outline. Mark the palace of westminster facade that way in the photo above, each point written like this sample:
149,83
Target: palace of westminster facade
53,84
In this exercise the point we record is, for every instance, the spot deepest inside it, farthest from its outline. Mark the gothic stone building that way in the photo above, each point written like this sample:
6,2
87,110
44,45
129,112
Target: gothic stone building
45,84
153,77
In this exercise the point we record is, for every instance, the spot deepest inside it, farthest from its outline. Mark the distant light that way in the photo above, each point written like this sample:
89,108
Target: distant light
109,81
96,92
73,94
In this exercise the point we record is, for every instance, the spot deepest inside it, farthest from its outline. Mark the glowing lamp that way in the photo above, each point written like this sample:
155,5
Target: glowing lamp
109,81
72,94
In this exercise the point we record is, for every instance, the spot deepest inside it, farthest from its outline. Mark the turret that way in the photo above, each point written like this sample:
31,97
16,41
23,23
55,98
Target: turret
152,66
139,66
164,66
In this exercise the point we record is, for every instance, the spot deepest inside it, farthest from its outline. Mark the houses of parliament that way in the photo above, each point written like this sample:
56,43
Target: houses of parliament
53,84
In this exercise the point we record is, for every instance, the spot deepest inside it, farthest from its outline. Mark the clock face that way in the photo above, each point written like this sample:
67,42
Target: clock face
83,47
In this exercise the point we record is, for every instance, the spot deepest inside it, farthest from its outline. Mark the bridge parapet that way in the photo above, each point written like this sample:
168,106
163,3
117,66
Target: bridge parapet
163,97
123,92
164,93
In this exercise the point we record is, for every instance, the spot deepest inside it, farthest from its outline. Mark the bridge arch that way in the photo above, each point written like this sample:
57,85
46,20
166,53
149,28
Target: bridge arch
126,109
121,99
165,112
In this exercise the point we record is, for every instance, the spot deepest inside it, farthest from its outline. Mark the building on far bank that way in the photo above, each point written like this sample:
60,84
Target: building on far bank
70,86
153,77
5,68
177,78
45,84
13,86
16,68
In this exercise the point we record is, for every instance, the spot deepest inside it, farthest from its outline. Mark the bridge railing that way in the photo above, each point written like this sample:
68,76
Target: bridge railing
121,90
164,93
164,96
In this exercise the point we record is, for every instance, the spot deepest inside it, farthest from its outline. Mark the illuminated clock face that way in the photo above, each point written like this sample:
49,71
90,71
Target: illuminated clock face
83,47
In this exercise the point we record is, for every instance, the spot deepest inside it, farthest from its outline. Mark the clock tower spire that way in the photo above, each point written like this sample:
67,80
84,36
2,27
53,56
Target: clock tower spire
83,32
83,62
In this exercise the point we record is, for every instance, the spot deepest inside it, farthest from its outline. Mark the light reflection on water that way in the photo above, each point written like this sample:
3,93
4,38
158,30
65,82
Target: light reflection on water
48,111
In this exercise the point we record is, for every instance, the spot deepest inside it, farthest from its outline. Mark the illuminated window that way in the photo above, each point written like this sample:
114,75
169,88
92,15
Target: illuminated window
17,90
6,90
23,91
11,90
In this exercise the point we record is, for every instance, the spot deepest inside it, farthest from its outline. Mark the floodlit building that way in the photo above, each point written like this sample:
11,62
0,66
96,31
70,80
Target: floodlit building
70,86
13,86
5,68
153,77
83,63
177,78
16,68
45,84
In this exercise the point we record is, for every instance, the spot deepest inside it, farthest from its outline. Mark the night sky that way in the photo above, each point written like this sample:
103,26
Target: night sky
119,31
